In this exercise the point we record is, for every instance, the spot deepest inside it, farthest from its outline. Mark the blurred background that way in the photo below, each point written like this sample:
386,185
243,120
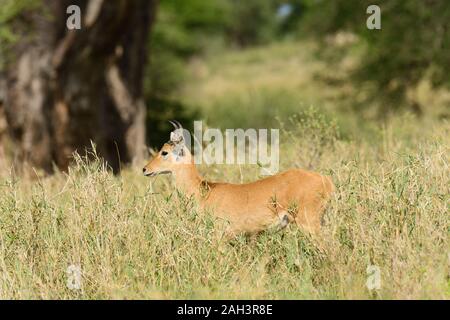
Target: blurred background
256,63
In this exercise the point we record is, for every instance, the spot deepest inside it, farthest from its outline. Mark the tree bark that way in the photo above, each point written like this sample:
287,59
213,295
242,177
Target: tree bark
68,88
3,126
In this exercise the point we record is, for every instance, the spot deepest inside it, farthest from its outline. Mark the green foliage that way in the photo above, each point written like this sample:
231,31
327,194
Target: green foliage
412,44
253,22
182,29
10,9
187,28
162,110
290,23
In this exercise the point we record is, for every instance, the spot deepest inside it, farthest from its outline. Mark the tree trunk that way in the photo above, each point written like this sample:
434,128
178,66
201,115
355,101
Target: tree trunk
68,88
3,126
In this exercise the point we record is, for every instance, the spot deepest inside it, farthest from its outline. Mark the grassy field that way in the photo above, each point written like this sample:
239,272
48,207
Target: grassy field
133,237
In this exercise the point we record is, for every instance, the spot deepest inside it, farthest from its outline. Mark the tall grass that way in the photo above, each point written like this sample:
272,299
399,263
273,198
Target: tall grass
133,237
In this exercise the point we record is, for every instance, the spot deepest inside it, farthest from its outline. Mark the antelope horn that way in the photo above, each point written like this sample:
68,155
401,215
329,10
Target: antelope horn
179,124
175,124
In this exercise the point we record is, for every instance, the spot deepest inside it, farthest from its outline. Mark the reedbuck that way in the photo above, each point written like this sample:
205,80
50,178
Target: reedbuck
294,195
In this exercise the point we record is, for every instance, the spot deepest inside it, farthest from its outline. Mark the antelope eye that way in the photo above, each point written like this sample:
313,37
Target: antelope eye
164,153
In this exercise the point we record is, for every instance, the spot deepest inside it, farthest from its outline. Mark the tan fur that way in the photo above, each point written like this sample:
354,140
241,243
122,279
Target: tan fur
296,195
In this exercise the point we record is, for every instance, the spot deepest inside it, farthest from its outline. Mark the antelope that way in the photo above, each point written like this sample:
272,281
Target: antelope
293,195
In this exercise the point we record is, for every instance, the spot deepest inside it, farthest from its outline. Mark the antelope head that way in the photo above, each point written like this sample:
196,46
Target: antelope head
173,156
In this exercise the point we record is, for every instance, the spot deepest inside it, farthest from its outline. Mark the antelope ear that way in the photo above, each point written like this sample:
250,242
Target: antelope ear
178,152
176,136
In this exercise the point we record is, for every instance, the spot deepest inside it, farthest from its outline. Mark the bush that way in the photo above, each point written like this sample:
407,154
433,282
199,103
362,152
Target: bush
412,44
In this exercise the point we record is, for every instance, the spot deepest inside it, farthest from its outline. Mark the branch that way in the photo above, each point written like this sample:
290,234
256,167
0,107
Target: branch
120,93
92,12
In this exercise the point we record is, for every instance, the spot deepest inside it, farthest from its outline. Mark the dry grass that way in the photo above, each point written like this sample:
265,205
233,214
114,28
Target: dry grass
137,238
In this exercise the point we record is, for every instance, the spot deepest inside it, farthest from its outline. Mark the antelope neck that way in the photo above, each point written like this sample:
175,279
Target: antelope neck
188,180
